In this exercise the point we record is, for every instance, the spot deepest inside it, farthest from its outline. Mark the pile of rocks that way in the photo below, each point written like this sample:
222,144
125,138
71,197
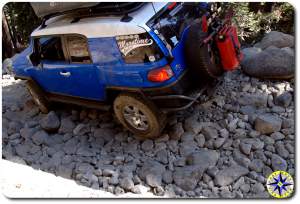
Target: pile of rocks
272,58
223,148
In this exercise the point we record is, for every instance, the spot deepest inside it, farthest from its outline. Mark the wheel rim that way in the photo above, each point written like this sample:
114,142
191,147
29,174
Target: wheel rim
135,117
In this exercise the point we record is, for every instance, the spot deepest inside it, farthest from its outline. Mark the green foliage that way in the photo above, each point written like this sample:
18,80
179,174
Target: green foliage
21,20
253,23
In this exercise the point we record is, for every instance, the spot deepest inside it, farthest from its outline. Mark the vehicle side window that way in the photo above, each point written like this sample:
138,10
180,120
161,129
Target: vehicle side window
139,48
78,49
50,48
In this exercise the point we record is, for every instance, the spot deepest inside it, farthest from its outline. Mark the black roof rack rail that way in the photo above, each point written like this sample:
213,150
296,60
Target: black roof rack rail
101,9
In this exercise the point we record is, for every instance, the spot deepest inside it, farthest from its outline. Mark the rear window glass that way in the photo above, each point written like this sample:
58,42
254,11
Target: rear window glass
78,49
139,48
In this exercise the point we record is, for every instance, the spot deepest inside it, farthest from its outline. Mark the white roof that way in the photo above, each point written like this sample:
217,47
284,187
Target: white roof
107,26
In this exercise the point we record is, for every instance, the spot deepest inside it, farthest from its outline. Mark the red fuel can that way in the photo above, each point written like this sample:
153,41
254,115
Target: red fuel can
229,48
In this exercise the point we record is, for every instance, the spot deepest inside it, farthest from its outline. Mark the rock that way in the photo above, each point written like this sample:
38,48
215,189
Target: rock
40,137
200,139
50,122
277,136
153,180
186,148
257,99
167,177
85,151
65,171
280,149
284,99
176,131
256,165
250,52
106,133
127,184
272,63
229,175
209,132
267,124
162,156
151,167
203,158
81,129
277,39
70,146
118,191
219,142
287,123
257,188
66,125
191,124
147,145
108,172
245,148
27,133
187,177
245,188
278,163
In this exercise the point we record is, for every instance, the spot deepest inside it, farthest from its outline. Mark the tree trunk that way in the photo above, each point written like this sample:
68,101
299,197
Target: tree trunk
8,49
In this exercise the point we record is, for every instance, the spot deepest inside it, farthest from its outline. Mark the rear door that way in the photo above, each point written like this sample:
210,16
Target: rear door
66,68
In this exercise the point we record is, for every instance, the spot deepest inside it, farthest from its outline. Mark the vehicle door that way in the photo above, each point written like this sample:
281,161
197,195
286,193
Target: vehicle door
66,68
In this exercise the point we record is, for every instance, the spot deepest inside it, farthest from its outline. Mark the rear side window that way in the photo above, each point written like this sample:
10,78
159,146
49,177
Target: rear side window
51,49
139,48
78,50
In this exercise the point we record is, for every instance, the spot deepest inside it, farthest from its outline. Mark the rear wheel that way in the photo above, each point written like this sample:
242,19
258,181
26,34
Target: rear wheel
38,96
202,60
139,115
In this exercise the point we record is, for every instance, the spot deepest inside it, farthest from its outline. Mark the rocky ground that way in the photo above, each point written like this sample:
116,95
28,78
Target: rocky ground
224,148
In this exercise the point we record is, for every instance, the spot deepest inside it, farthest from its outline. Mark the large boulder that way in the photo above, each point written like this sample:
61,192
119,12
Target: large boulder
230,174
277,39
267,124
271,63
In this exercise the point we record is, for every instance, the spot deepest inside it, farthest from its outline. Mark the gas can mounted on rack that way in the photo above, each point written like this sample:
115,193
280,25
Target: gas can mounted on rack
229,47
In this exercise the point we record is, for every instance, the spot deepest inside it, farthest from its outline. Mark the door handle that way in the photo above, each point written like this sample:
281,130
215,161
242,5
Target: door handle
65,74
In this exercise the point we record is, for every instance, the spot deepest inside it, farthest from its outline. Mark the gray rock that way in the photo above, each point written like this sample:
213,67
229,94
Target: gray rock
106,133
186,148
40,137
200,139
50,122
167,177
162,156
277,136
229,175
108,172
147,145
151,167
65,171
70,146
257,188
280,149
278,163
284,99
256,165
248,100
209,132
81,129
176,131
245,188
114,180
191,124
287,123
267,124
153,180
277,39
187,177
245,148
204,158
272,63
118,191
219,142
66,125
85,151
250,52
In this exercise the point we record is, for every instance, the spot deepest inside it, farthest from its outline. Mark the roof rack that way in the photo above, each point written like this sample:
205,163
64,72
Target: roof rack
101,9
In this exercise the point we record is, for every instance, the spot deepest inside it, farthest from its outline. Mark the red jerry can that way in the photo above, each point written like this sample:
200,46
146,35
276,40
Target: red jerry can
229,48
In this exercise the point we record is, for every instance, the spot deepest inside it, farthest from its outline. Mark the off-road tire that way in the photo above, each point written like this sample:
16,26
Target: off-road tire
198,57
38,96
156,119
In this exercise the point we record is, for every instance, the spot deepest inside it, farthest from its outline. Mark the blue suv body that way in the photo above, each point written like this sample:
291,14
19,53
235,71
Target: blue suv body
126,61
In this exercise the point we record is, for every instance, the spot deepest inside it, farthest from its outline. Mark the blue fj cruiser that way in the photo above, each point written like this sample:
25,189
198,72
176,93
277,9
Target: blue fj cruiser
142,59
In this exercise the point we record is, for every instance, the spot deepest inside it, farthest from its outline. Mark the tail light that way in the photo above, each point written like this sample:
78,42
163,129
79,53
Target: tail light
161,74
